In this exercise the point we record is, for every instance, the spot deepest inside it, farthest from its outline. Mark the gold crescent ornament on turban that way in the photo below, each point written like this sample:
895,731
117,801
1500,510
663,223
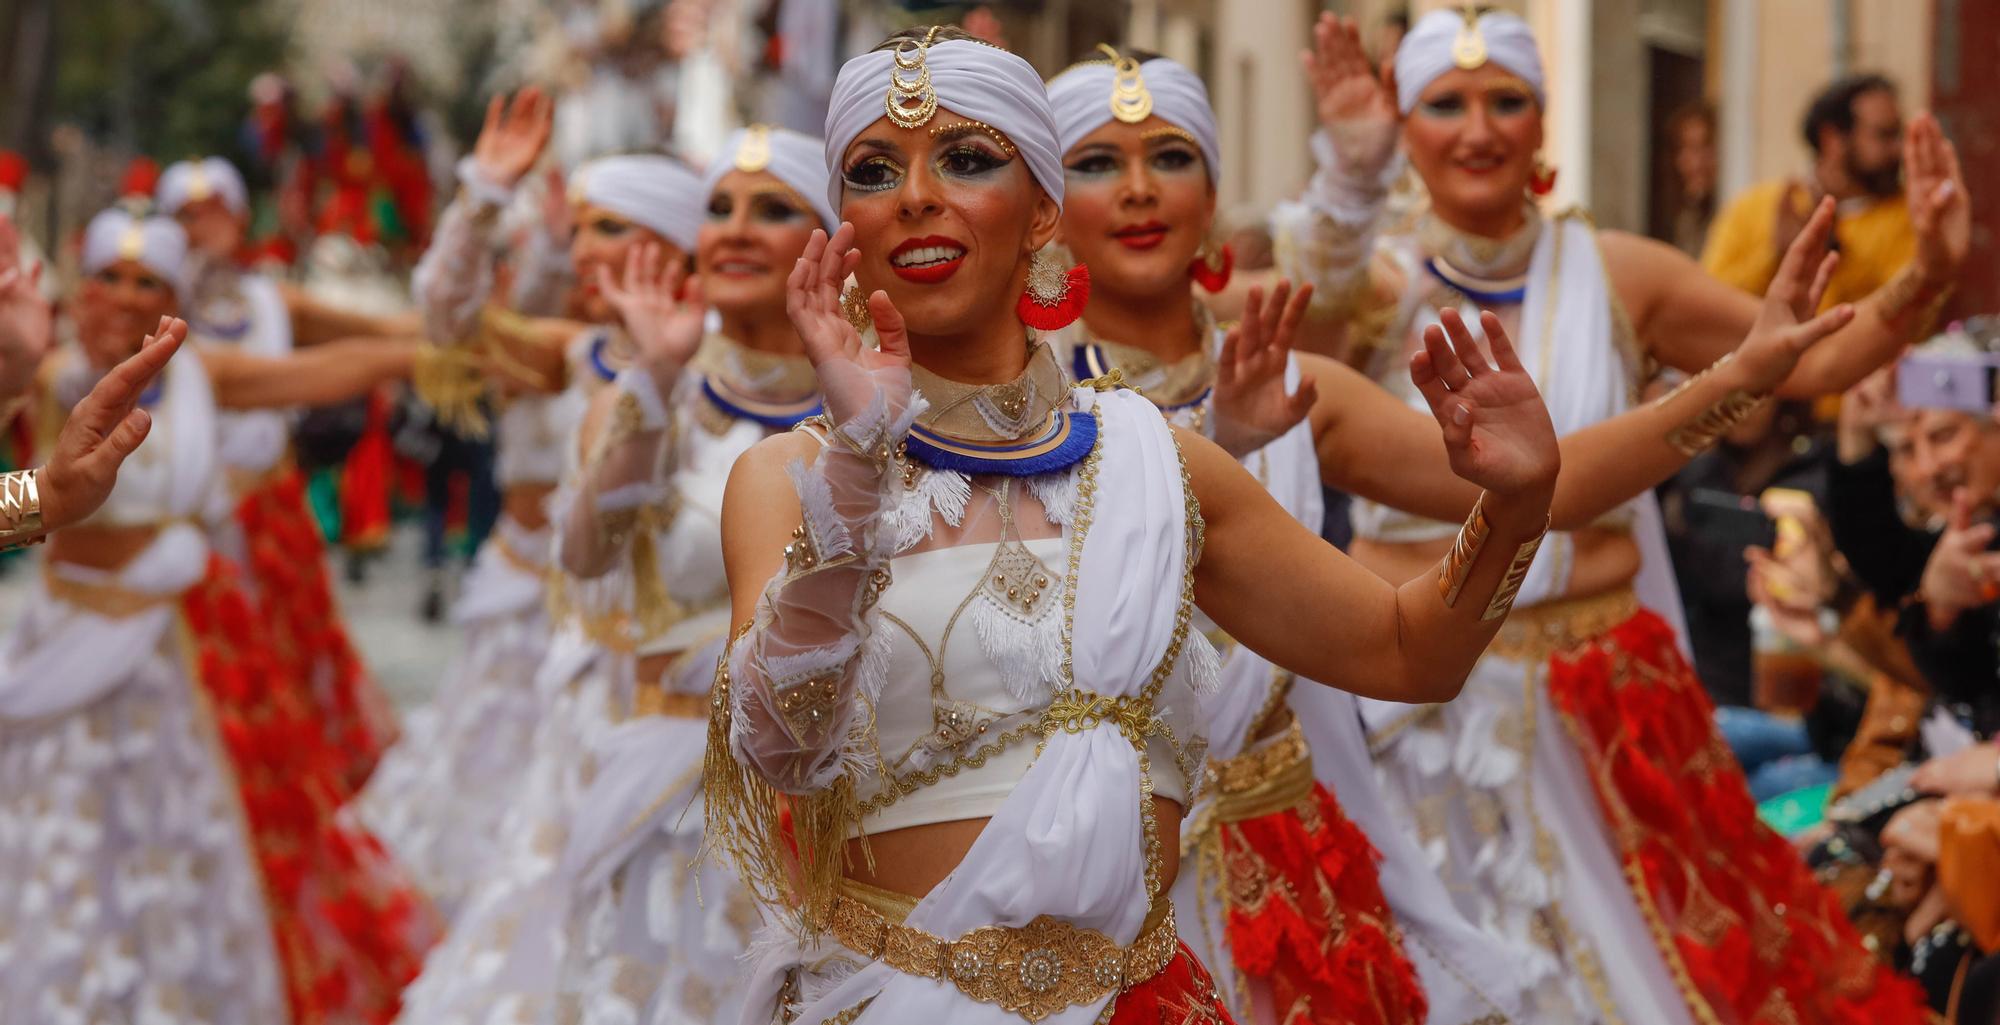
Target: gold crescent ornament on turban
910,56
1468,51
1131,101
754,154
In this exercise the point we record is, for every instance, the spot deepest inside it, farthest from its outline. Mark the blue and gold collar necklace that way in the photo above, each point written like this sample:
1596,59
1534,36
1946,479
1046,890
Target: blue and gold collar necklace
739,381
1020,428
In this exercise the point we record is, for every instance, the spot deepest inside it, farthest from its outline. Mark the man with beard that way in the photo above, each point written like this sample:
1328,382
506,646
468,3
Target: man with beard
1855,129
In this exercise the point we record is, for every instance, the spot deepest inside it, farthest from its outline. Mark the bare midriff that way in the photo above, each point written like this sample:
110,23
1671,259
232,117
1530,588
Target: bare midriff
100,547
915,860
1604,560
525,504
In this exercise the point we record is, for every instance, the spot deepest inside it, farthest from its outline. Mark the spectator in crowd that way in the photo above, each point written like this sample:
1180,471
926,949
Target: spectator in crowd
1855,129
1691,141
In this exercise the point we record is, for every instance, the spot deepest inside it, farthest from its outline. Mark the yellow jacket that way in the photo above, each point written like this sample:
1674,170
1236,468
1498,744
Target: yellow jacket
1875,241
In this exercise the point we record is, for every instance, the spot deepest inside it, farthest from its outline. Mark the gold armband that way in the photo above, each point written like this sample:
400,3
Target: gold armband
1517,573
1700,434
1905,292
1457,565
20,510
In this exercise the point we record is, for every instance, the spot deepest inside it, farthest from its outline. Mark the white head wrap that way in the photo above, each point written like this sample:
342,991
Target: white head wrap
1444,39
191,181
797,159
156,243
976,81
655,192
1081,99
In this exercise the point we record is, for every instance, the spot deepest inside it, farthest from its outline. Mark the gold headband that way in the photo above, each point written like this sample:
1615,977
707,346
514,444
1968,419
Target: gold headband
132,244
910,56
1468,51
1131,101
754,154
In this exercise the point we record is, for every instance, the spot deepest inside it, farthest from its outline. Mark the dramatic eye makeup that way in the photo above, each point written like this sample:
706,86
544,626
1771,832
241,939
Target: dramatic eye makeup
970,149
1445,105
775,207
1095,162
872,169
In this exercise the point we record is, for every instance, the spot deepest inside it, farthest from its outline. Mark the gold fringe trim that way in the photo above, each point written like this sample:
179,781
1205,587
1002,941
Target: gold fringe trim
451,379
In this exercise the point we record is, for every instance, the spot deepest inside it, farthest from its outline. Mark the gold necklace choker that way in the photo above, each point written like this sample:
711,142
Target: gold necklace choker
995,413
1478,256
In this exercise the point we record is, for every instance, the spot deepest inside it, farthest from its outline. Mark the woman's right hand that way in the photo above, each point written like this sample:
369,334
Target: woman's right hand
1356,106
513,136
851,374
1786,326
663,323
1497,430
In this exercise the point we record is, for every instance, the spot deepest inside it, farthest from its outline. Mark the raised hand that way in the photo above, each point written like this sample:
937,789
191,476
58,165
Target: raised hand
103,429
1252,407
1785,326
1496,429
665,324
1961,573
851,374
1356,106
26,322
1940,210
513,136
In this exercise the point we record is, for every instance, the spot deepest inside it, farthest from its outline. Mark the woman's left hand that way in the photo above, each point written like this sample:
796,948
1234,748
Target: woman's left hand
1939,208
1252,407
665,324
1496,429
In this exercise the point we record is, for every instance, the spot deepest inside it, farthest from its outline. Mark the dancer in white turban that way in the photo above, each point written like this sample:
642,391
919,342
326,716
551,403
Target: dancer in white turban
1576,798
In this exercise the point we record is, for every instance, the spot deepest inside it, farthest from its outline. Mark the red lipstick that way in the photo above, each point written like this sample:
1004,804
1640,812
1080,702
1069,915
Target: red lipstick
944,257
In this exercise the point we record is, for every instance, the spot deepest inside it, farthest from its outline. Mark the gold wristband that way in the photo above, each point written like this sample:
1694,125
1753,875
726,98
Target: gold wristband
20,510
1700,434
1457,565
1517,574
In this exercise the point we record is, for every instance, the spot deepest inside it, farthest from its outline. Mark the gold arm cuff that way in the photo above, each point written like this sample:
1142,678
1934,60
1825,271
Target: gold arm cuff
20,509
1457,565
1700,434
1035,970
1517,572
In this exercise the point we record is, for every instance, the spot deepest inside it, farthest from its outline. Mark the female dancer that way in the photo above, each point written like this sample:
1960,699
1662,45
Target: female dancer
644,934
624,206
966,597
132,612
1674,905
265,526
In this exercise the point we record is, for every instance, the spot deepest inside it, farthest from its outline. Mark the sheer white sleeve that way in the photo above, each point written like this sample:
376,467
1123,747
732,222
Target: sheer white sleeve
809,667
455,275
542,275
1327,235
627,472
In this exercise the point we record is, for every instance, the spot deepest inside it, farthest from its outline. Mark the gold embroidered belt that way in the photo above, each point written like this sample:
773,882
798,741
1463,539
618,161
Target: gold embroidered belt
1270,777
242,481
1534,633
653,698
1034,970
108,600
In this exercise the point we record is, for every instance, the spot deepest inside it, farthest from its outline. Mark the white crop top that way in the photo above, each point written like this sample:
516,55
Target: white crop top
935,651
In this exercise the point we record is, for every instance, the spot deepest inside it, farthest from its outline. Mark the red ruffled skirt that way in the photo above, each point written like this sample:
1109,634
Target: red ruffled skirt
287,561
350,931
1181,994
1749,934
1301,896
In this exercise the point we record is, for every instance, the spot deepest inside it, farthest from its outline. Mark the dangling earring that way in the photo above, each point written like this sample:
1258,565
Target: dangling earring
1055,297
854,306
1543,181
1212,267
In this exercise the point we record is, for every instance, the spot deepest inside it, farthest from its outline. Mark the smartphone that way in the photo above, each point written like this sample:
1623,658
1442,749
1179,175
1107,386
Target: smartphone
1736,520
1961,382
1789,509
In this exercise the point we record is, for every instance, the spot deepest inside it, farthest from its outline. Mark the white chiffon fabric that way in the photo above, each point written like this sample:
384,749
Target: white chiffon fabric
1489,786
128,891
1068,842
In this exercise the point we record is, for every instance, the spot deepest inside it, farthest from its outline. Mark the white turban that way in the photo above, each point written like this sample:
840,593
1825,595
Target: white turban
974,80
1434,47
795,158
1081,98
191,181
156,243
655,192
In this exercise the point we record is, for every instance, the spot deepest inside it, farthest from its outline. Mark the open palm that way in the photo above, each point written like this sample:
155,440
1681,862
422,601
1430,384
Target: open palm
1939,208
663,323
1252,405
851,375
1356,106
512,138
1496,429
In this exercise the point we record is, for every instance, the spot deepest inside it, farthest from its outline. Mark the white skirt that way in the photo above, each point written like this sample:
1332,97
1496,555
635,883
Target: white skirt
439,796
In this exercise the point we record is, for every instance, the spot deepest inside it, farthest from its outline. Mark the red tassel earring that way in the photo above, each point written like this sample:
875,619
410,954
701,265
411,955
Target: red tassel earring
1212,267
1543,181
1054,298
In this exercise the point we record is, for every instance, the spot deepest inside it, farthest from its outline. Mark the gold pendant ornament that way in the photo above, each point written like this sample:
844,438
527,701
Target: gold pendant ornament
911,100
754,154
854,306
1468,51
1131,101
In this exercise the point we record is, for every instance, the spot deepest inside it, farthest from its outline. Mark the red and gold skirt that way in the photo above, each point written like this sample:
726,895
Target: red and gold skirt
1748,933
287,562
1305,916
1181,994
350,931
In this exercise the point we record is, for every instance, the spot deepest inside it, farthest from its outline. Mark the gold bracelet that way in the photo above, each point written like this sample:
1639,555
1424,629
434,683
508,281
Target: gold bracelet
1700,434
1517,573
1457,564
20,510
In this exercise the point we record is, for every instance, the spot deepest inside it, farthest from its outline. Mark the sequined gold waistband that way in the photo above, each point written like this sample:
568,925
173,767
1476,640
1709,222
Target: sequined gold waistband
1534,633
1270,777
652,698
104,599
1034,970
